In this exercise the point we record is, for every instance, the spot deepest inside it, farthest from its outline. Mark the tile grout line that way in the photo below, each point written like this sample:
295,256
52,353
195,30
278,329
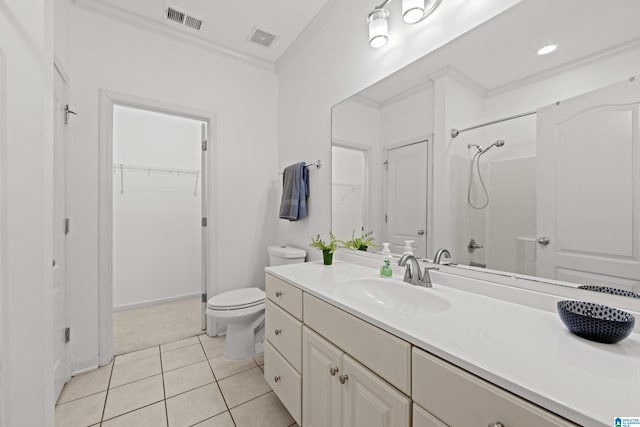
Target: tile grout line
106,396
164,390
218,384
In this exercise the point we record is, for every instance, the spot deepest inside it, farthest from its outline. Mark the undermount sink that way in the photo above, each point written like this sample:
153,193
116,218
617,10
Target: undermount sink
391,295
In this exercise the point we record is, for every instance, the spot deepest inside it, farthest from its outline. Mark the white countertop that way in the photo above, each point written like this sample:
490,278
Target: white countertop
524,350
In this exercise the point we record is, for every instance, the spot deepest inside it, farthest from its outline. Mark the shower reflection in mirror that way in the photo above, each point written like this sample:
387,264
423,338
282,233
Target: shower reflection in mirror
349,189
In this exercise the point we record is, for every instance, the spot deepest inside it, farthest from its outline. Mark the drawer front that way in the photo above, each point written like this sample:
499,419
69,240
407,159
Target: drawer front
385,354
284,332
422,418
284,381
283,294
459,398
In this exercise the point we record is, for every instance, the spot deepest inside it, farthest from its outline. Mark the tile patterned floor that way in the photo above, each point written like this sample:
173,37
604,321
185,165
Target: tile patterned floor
178,384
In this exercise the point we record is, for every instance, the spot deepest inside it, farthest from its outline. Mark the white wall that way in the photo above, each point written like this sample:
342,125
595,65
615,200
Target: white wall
106,54
335,63
26,134
156,217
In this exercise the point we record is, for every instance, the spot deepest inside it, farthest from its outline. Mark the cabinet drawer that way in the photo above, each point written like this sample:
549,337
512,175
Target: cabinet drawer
459,398
284,332
284,381
283,294
422,418
385,354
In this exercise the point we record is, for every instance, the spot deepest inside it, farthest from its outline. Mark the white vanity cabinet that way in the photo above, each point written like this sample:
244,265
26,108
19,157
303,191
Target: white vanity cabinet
459,398
339,391
283,344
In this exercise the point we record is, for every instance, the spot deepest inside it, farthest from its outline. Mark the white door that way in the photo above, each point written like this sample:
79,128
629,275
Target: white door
589,188
61,367
321,390
371,402
406,198
204,240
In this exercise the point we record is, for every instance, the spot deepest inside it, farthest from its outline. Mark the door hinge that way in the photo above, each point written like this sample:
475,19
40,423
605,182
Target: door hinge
204,145
386,165
204,221
67,224
68,111
204,297
385,218
67,334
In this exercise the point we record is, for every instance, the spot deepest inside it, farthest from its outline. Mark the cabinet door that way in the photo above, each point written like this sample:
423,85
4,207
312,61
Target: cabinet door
422,418
321,390
369,401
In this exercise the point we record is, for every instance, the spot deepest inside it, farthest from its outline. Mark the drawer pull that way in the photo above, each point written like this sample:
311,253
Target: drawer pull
277,331
333,371
496,424
343,378
277,378
278,294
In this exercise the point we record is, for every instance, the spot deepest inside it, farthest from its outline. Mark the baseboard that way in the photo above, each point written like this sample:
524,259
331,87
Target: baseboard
86,364
154,302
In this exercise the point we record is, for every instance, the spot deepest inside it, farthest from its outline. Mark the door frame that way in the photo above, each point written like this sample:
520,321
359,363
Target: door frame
107,101
60,70
428,138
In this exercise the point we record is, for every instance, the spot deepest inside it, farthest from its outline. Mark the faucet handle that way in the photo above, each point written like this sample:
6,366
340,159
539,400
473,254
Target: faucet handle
426,278
408,274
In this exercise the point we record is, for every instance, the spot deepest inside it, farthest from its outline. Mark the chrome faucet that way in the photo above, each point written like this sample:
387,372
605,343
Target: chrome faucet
439,254
412,274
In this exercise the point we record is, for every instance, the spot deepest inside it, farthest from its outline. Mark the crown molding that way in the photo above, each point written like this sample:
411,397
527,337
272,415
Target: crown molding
325,14
151,25
361,99
460,77
406,93
562,68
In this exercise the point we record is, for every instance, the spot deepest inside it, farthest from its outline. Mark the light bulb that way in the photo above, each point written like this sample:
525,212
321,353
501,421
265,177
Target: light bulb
378,28
412,11
547,49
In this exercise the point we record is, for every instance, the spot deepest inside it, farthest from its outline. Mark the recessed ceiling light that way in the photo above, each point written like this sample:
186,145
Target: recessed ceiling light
547,49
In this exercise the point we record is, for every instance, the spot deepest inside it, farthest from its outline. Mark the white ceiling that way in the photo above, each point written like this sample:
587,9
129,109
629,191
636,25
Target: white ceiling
504,50
229,23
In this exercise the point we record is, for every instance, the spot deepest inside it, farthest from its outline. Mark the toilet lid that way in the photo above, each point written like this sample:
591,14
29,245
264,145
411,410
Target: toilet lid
236,299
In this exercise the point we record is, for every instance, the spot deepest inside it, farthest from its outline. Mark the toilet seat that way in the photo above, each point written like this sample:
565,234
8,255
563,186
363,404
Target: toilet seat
238,299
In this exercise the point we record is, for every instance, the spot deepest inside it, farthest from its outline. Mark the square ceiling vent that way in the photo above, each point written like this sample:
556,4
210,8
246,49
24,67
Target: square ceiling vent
183,18
261,37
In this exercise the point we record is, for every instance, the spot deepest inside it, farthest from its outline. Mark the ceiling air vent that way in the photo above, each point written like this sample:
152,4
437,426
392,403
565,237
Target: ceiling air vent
262,37
175,15
183,18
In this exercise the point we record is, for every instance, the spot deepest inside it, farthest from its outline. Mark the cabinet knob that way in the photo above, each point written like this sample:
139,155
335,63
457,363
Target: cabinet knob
496,424
343,378
278,294
277,331
277,378
333,371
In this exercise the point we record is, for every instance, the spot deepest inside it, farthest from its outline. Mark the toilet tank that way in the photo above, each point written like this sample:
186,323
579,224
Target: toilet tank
282,255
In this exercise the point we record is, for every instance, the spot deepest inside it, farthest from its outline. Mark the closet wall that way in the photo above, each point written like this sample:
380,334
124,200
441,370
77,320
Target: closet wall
156,216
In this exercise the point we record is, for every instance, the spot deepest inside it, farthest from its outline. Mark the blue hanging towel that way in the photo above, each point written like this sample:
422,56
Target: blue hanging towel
295,190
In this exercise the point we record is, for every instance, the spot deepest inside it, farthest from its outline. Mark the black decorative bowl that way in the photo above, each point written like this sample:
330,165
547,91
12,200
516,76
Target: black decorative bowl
596,322
608,290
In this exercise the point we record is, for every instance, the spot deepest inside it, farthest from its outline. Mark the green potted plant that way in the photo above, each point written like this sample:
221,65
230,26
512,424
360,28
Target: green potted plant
361,243
327,248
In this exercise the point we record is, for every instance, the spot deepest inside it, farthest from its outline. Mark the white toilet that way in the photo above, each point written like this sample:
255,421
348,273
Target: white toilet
241,311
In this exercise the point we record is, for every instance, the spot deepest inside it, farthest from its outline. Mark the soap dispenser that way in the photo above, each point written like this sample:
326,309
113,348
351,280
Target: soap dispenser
408,249
386,251
385,270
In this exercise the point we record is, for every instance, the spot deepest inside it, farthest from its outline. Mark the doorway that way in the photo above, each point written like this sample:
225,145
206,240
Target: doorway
154,205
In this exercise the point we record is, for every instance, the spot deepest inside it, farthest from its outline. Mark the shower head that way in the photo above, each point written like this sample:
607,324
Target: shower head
498,143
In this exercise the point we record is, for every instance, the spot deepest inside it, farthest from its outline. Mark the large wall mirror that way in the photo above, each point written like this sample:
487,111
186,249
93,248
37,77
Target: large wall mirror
542,176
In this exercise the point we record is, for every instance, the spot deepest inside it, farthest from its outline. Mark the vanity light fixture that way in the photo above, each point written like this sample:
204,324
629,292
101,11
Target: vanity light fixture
413,11
547,49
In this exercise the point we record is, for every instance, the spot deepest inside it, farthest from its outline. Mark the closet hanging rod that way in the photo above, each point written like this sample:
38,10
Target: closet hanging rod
456,132
317,164
149,169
